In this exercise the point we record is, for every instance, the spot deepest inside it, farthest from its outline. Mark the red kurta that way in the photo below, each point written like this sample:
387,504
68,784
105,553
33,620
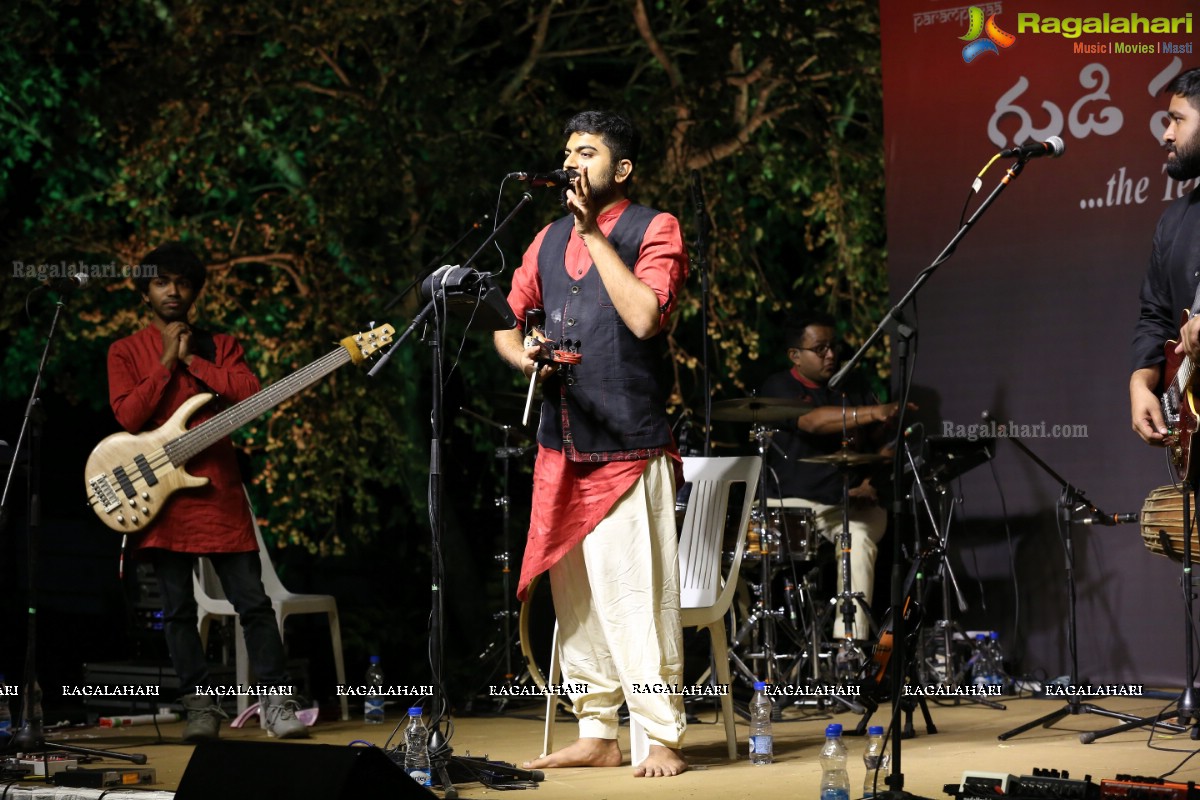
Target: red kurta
570,498
143,393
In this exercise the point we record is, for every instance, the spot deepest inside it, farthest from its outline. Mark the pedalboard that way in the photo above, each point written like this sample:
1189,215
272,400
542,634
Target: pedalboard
1137,787
1043,784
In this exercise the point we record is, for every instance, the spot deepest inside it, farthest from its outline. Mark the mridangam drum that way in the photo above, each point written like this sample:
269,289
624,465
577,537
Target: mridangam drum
1162,523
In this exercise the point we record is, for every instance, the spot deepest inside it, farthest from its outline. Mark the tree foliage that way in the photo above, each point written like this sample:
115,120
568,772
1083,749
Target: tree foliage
319,154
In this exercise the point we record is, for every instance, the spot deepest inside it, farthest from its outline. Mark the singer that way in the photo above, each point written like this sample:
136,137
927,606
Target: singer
603,521
150,374
1174,272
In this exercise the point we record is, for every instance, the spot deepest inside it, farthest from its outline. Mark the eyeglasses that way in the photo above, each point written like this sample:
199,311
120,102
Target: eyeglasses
821,350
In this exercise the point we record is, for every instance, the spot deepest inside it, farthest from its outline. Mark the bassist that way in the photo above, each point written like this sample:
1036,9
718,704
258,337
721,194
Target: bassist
150,374
1170,287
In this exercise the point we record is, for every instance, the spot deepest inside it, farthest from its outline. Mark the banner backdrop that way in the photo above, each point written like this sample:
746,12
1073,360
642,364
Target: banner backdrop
1031,319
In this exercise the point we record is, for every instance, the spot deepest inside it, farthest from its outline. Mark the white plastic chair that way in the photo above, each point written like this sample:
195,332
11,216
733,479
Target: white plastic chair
211,600
705,593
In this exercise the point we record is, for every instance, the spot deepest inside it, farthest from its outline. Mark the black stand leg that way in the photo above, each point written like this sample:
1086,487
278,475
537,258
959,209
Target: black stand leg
1185,713
1071,499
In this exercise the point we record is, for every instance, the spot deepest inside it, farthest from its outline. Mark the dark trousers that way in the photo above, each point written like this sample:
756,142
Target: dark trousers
241,578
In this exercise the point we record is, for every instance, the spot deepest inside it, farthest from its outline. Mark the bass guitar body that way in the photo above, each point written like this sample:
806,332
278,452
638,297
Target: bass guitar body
1179,411
128,500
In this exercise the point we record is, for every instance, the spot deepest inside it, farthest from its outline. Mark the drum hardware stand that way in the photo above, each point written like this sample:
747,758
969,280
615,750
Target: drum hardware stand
765,617
1187,707
850,659
505,640
1070,501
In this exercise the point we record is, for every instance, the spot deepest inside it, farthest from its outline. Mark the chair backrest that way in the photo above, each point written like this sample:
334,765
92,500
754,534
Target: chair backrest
700,543
211,584
207,581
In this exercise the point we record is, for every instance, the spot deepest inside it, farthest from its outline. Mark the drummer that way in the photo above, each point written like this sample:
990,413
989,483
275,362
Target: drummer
812,349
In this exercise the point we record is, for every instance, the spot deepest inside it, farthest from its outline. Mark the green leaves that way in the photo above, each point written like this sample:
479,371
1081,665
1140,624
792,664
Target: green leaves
320,158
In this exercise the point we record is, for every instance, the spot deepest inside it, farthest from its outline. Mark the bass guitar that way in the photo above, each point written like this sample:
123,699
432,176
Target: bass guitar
129,477
1179,410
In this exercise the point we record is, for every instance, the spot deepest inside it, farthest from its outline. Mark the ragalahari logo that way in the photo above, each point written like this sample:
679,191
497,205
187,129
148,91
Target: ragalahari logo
996,38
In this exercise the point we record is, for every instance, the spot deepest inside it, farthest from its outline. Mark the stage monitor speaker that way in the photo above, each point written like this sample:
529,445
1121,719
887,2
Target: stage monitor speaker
225,770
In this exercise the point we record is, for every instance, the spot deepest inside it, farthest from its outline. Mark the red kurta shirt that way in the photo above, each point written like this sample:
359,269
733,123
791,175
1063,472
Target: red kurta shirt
570,498
143,393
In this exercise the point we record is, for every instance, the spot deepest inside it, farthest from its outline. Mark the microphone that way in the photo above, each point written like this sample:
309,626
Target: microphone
66,285
1052,147
557,179
1109,519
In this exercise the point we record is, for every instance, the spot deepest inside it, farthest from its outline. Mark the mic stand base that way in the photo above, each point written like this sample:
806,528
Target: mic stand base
1074,708
29,740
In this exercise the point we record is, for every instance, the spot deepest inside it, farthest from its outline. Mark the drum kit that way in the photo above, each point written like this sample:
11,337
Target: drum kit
778,624
784,643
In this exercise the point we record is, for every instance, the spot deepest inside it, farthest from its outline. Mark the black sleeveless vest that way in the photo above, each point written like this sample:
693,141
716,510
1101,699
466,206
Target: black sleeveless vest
615,398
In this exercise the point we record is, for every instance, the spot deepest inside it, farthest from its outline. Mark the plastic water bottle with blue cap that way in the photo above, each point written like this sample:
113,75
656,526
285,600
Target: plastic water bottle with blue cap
762,741
835,781
416,749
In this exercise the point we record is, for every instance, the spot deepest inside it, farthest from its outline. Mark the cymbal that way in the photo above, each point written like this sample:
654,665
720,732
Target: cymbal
846,458
758,409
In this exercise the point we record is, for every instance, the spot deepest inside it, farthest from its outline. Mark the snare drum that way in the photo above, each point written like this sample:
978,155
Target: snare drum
796,528
789,532
1162,514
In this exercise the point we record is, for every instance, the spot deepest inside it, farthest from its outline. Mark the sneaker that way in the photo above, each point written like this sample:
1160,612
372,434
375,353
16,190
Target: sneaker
204,717
279,716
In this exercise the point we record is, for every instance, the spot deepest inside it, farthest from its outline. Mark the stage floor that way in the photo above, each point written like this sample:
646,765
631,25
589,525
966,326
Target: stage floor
966,740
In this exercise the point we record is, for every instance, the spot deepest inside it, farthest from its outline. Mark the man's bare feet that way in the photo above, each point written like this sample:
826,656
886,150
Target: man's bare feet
584,752
663,762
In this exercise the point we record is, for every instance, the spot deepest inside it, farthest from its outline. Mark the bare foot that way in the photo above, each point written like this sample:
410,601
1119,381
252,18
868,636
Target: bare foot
663,762
584,752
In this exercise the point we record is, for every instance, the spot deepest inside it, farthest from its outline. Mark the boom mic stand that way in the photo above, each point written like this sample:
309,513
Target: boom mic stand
30,738
1070,501
468,293
905,335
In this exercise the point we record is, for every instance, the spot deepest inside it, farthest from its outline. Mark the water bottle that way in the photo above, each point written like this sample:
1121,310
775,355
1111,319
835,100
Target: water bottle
5,713
373,707
876,762
995,662
761,739
978,662
835,781
416,749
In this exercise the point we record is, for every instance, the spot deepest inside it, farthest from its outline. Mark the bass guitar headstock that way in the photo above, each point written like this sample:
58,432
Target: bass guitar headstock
362,346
